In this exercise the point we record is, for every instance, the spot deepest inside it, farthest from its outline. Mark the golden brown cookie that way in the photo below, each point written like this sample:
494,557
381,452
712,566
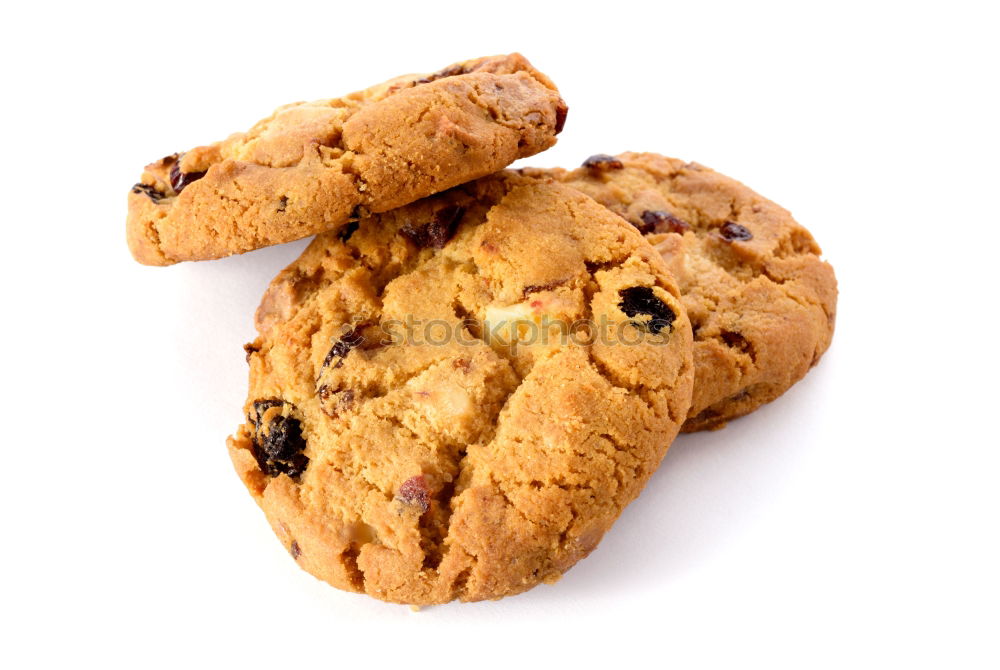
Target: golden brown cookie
457,398
761,301
313,166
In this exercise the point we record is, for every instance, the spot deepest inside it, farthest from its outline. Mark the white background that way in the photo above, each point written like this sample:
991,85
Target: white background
852,523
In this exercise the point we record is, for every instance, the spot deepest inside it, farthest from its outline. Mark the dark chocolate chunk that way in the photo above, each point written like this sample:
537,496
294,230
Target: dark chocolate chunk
734,232
603,162
640,300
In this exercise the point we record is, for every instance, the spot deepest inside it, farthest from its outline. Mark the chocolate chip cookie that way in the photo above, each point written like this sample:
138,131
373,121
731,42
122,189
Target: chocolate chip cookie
761,300
314,166
457,398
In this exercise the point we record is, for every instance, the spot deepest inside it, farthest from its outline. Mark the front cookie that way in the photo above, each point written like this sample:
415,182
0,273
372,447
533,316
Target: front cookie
312,167
761,301
456,399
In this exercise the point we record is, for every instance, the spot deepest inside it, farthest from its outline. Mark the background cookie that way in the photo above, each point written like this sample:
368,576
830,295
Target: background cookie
761,301
489,446
312,166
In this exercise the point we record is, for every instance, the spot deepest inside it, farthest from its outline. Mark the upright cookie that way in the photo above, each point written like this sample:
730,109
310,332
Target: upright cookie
457,398
761,301
312,167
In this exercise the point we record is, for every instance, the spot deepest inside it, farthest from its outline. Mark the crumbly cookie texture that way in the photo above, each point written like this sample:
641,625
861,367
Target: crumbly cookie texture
313,166
761,300
466,456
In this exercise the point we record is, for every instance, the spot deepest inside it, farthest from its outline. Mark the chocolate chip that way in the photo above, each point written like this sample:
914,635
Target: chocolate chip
436,233
343,346
414,491
149,191
250,349
641,300
282,203
295,550
179,180
277,444
561,112
734,232
603,162
660,221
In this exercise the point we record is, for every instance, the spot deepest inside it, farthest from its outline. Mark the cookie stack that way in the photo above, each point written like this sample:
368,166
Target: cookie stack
470,372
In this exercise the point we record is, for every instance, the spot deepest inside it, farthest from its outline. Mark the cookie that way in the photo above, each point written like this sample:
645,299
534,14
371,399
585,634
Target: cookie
313,166
456,399
761,300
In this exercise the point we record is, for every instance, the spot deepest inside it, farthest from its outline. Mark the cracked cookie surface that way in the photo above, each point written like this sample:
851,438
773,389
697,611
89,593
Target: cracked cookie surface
487,446
314,166
762,302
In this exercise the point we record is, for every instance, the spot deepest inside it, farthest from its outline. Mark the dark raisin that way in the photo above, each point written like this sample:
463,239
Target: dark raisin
603,162
441,74
282,203
343,346
444,225
414,491
178,179
734,232
149,191
334,402
561,112
436,233
641,300
659,221
736,340
261,406
251,349
278,443
347,231
537,288
295,550
415,234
